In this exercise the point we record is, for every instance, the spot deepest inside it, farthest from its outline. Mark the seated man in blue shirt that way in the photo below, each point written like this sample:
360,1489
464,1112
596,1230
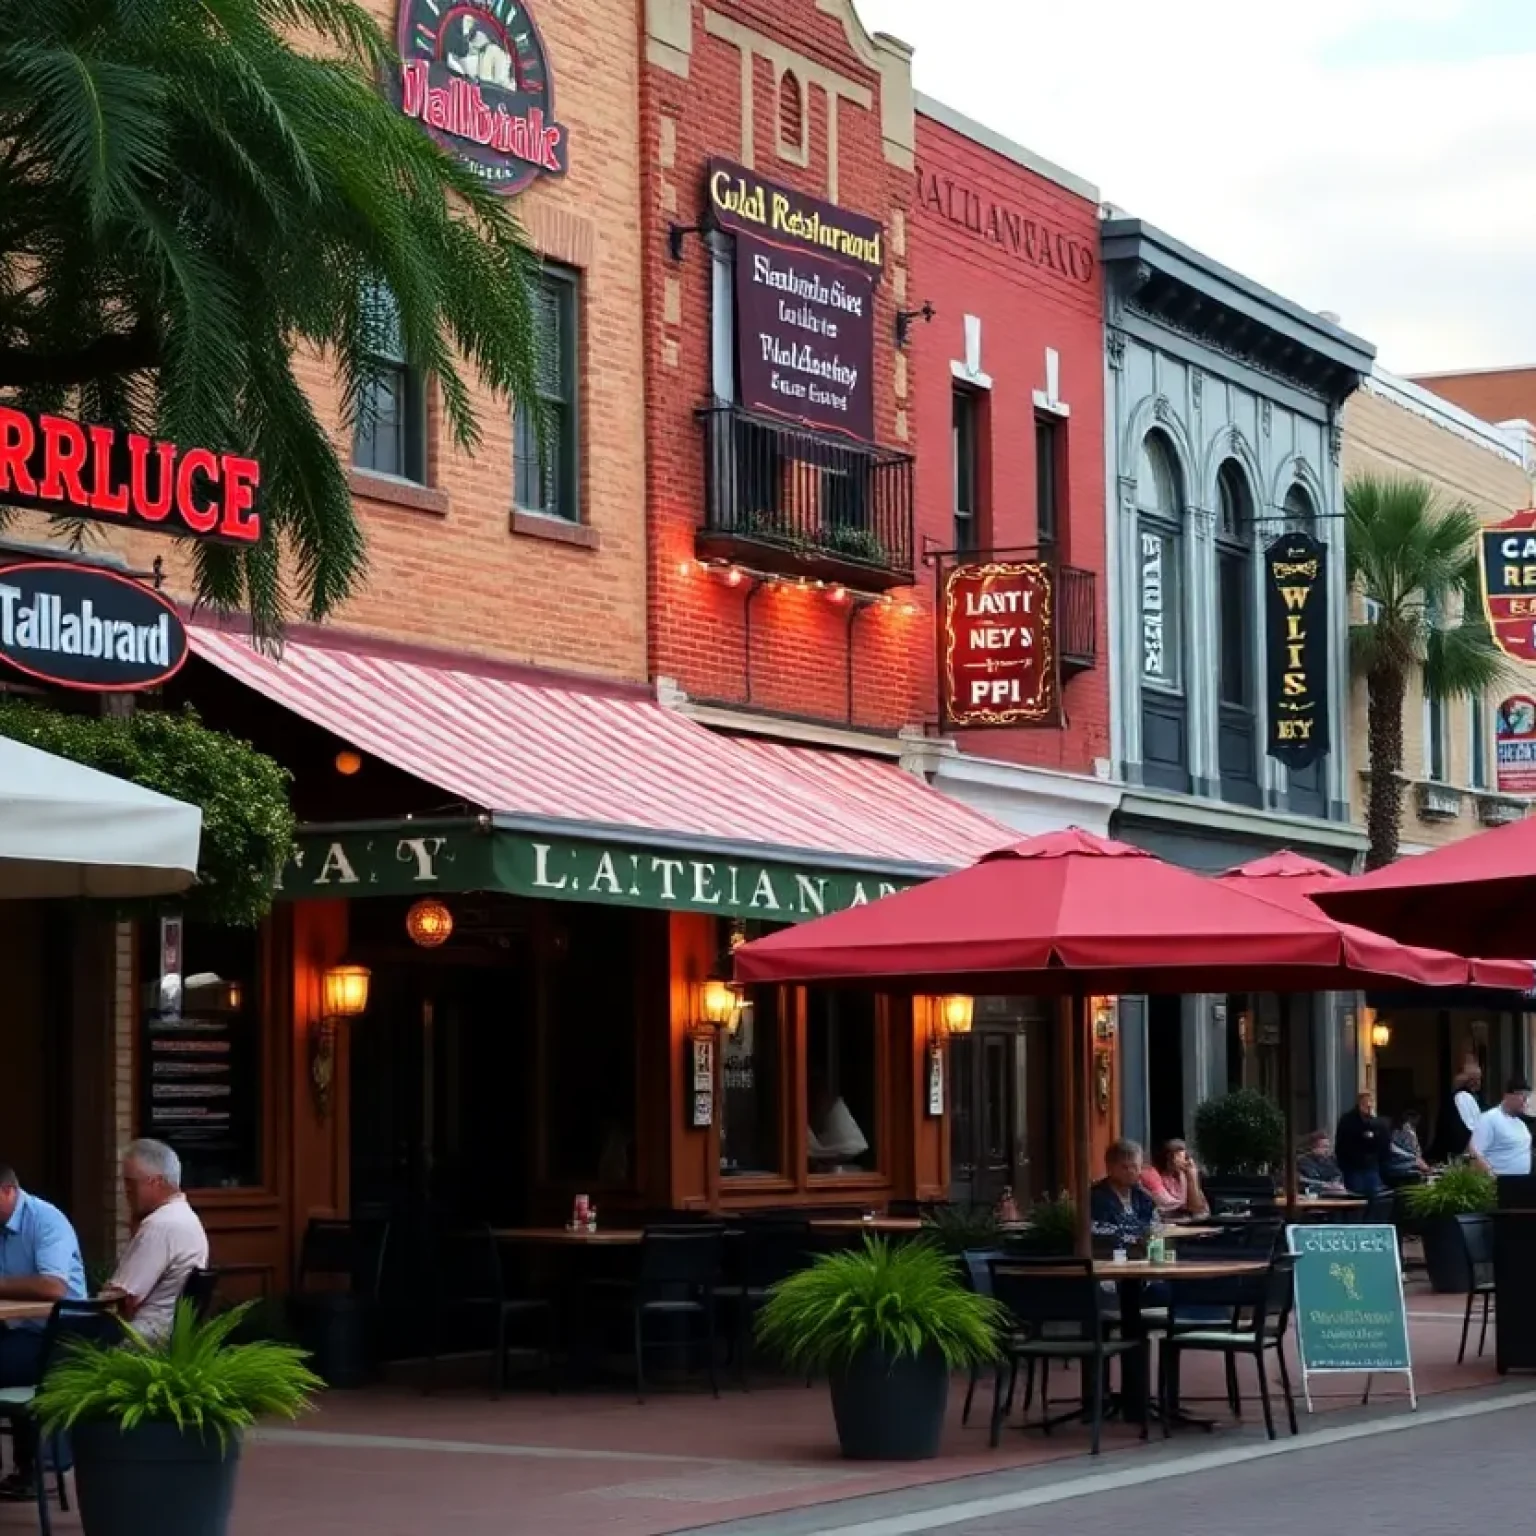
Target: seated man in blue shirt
1121,1208
39,1261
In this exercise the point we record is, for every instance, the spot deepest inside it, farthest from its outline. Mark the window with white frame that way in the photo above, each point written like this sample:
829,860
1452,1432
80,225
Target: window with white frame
1478,775
1437,737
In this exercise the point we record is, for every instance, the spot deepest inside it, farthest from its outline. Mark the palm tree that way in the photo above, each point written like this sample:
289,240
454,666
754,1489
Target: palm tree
192,193
1414,559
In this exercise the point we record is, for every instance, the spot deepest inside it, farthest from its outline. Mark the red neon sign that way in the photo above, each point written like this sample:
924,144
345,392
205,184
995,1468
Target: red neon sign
58,465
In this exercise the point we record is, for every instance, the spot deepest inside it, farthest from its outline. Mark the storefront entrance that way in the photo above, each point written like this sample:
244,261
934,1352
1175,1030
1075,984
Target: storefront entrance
1000,1081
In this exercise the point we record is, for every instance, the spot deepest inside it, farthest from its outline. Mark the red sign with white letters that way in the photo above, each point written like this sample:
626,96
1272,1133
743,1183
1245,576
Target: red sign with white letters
998,644
115,476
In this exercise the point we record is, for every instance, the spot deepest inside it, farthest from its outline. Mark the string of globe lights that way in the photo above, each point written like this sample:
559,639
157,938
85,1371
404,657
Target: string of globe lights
736,575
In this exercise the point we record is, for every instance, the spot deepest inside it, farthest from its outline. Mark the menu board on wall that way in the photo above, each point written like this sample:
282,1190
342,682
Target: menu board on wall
199,1096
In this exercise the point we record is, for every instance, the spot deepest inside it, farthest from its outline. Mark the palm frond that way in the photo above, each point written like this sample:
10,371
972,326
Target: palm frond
193,193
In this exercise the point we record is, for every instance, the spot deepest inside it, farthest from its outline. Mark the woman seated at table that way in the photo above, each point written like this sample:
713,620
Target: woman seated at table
1173,1181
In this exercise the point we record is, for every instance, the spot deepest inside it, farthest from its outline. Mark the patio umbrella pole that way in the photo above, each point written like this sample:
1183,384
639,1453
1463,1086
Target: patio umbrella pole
1082,1172
1287,1103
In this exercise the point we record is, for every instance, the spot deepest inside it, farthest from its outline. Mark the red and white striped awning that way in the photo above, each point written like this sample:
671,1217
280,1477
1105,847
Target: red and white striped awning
593,758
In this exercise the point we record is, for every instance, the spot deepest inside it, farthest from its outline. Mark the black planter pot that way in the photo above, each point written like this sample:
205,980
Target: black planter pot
153,1481
1445,1255
891,1410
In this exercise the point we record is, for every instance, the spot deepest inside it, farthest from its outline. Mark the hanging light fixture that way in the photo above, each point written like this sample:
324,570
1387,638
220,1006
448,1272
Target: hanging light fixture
720,1004
956,1011
429,923
1381,1034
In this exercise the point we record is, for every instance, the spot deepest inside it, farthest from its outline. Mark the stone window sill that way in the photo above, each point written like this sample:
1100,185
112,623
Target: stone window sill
537,525
398,493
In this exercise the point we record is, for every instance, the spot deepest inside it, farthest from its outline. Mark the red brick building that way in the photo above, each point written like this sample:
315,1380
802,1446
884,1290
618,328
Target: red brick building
1009,379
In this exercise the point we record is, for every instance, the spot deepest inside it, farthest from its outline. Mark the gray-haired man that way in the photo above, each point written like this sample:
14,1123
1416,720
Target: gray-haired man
168,1240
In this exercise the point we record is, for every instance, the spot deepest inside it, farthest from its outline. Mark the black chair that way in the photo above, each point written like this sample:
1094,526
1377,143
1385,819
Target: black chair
978,1275
1227,1192
199,1288
1261,1314
1477,1240
334,1322
677,1279
761,1252
1261,1236
1057,1308
469,1280
93,1322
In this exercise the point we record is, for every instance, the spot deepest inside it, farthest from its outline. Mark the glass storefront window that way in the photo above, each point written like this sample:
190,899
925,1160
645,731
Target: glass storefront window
841,1080
201,1069
750,1117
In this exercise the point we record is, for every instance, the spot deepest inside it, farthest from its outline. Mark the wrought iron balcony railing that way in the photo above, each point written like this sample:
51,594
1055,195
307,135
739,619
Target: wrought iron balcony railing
798,502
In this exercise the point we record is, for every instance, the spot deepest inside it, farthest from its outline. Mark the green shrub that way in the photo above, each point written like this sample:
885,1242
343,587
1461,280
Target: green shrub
1052,1225
959,1228
194,1379
903,1299
1241,1132
1463,1189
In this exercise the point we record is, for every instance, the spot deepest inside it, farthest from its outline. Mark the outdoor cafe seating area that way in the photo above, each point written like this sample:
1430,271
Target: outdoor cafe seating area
665,1305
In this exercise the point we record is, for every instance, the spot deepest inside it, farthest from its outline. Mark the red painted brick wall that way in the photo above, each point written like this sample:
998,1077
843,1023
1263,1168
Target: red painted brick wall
793,652
1026,303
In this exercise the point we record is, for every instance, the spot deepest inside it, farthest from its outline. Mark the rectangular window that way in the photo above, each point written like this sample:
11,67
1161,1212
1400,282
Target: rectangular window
965,453
1235,663
201,1071
1160,637
1437,765
840,1081
749,1121
546,475
390,436
1047,481
1477,744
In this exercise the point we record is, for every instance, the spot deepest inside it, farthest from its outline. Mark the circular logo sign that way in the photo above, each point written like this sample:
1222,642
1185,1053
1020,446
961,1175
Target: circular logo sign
475,75
78,627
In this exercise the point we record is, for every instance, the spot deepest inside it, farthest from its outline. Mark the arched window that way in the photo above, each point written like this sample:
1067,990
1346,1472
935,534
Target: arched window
1234,552
791,113
1299,512
1160,543
1236,644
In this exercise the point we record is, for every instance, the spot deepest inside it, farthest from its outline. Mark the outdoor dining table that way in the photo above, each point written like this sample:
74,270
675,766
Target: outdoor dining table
602,1237
25,1311
1131,1277
889,1225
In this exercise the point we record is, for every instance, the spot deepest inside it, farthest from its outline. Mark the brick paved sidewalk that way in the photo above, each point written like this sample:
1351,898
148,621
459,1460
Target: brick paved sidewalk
390,1462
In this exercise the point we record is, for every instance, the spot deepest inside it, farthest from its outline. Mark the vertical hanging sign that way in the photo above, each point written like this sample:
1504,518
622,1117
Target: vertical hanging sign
997,644
1296,625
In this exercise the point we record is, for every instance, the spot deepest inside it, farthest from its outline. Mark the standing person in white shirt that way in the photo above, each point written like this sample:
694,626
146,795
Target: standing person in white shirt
168,1240
1501,1144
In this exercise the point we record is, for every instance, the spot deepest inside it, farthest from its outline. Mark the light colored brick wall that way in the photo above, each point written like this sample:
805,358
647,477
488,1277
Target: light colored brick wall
1385,437
459,577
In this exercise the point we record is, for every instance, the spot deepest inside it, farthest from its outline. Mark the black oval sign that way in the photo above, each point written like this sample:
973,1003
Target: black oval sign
79,627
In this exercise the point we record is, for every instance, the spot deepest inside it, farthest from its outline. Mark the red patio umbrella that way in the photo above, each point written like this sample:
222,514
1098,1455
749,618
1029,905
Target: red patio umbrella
1291,880
1478,894
1070,914
1295,881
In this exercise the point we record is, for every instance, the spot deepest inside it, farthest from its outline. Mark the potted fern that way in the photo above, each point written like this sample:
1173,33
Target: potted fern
1438,1209
156,1428
887,1323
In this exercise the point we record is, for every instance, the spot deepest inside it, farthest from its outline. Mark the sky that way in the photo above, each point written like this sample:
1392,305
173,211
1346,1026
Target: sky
1376,158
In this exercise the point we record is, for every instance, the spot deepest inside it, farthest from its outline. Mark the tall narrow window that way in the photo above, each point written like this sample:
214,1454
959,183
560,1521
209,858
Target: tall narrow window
964,448
1477,744
1047,481
1161,555
1233,556
547,473
390,437
1437,734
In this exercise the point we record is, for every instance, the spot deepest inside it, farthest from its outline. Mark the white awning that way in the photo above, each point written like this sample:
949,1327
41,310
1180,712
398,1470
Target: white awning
66,830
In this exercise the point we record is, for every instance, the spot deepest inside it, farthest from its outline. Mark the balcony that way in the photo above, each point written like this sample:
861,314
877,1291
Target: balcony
1077,619
797,503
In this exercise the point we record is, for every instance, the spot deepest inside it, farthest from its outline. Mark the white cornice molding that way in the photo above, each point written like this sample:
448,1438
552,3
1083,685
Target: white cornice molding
1432,407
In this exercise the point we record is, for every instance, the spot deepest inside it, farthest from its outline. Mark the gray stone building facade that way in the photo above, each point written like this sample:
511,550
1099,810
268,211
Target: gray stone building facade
1222,405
